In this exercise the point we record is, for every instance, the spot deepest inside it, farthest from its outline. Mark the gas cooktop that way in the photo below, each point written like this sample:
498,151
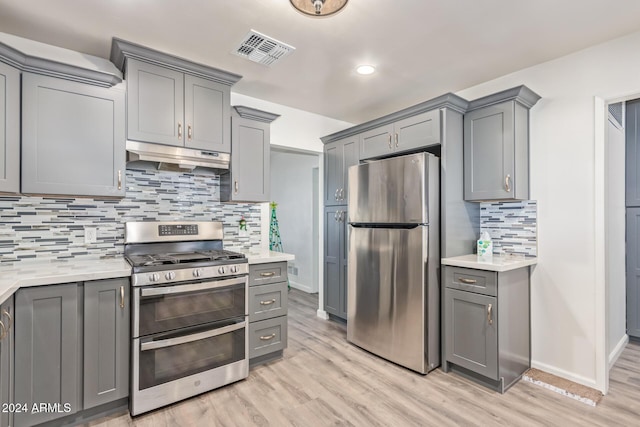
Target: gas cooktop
212,257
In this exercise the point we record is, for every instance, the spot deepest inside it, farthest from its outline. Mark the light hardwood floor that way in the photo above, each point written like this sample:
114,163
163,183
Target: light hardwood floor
325,381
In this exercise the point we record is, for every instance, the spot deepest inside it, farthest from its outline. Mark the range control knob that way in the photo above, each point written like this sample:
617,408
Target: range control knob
234,268
170,275
221,270
154,277
197,272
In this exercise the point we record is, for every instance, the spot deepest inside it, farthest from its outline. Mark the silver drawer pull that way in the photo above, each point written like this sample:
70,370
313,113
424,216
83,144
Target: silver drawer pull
467,281
271,301
269,274
6,313
267,337
490,314
4,331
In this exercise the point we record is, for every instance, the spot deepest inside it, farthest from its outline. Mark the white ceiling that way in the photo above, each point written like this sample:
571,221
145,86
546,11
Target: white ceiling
422,48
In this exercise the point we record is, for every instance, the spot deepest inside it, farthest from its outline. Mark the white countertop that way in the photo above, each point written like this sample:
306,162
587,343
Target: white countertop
263,256
32,273
495,263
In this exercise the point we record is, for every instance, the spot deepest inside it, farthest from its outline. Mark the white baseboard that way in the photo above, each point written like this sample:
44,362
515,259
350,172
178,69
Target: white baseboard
566,375
303,288
617,351
322,314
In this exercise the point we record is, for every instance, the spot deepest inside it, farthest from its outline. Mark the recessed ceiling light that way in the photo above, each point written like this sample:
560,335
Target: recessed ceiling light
365,69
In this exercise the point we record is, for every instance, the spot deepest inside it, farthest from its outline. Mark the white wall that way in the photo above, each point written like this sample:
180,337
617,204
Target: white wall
615,242
567,179
292,190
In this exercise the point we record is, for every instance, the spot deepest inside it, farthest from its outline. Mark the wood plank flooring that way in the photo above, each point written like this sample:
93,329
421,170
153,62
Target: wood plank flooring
325,381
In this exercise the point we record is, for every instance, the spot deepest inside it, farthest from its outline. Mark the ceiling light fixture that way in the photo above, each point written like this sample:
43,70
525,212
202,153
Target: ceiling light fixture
318,7
365,70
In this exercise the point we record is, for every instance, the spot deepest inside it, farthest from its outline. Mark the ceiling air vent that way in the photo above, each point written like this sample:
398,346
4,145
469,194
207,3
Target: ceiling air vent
265,50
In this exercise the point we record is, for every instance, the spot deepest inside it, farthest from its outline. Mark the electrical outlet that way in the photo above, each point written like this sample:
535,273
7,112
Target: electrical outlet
90,235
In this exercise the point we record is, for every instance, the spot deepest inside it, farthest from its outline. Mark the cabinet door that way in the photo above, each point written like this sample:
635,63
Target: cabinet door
9,129
418,131
72,138
155,104
376,142
250,161
633,272
6,360
350,156
332,172
106,341
471,326
333,293
489,153
206,115
46,351
632,138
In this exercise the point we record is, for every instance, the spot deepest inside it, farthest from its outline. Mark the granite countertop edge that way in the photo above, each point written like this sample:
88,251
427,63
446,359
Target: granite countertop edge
499,263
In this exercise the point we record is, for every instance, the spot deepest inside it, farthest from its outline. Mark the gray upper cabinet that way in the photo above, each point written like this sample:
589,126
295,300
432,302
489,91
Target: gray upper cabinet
249,179
155,106
411,133
73,138
632,138
106,341
174,101
47,357
9,129
6,360
339,157
496,146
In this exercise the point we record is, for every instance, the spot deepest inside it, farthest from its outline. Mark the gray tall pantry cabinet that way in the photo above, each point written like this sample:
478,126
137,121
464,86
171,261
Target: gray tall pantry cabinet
9,129
632,136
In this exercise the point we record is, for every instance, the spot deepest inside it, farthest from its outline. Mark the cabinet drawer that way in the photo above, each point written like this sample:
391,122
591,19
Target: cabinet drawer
267,336
273,272
267,301
472,280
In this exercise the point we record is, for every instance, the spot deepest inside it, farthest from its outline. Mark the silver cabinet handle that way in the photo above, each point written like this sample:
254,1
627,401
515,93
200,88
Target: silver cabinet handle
342,216
119,180
189,132
267,337
271,301
152,345
4,331
390,142
490,314
179,130
121,296
342,194
269,274
335,215
507,183
467,281
397,141
235,186
6,313
335,195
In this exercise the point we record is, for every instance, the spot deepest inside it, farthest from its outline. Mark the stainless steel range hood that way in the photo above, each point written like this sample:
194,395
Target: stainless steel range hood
176,158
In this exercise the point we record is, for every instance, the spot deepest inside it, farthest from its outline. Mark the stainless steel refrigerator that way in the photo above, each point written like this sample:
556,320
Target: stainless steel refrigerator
394,260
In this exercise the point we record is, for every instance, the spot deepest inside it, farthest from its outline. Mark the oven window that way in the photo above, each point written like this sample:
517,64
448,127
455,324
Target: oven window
175,361
160,313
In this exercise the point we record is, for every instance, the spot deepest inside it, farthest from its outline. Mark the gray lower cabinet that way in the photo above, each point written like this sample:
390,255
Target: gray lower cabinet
268,301
6,360
633,272
106,341
9,129
411,133
339,156
496,146
47,353
335,261
249,179
73,138
486,325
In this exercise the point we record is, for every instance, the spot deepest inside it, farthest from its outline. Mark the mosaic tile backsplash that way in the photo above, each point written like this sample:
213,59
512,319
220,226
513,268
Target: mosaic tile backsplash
512,226
53,228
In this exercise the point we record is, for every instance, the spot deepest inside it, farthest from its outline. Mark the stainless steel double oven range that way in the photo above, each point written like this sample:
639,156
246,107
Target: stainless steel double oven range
189,312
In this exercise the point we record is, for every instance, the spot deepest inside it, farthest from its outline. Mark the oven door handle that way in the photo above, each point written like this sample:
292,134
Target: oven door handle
180,289
153,345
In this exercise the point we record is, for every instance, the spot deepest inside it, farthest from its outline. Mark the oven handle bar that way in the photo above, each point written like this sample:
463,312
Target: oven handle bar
179,289
153,345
